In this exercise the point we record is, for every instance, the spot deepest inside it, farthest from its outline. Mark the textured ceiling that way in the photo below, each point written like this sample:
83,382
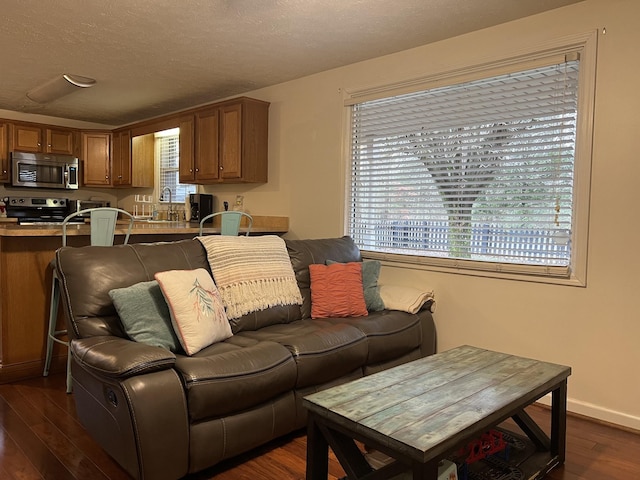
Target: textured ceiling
152,57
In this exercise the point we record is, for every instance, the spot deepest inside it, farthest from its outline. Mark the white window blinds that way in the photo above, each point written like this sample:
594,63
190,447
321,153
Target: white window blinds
168,155
480,173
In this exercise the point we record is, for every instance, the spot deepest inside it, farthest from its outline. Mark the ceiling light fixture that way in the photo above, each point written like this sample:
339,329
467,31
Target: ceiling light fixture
59,87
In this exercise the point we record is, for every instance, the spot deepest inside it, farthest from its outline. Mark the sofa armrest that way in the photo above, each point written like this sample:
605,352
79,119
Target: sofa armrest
120,358
428,345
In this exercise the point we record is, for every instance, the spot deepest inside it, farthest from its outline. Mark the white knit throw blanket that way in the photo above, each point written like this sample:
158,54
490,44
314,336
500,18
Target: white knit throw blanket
251,273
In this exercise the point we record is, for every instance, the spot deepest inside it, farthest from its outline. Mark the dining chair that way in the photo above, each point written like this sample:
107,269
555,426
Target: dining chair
103,222
229,222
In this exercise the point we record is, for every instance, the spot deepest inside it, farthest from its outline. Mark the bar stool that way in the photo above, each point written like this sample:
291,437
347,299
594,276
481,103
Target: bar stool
103,223
229,222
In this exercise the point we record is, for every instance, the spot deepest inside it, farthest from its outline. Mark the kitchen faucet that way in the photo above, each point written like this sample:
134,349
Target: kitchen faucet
170,212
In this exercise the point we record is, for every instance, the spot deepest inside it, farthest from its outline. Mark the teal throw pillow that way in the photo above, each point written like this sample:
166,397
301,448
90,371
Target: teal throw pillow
370,274
145,315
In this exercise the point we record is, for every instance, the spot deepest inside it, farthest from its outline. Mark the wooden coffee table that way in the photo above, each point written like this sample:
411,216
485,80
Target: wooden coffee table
422,411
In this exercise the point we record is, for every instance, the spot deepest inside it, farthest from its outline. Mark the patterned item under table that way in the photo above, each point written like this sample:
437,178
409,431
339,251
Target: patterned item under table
421,412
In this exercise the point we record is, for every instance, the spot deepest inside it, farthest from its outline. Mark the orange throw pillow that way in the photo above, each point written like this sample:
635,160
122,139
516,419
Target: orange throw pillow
336,290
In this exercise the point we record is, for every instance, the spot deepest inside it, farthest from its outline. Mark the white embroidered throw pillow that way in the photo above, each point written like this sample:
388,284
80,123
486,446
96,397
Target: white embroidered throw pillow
197,313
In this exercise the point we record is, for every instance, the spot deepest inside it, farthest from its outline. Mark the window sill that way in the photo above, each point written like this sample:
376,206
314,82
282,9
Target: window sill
422,263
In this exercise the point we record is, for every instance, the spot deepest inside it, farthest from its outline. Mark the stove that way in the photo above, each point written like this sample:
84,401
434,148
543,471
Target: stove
38,210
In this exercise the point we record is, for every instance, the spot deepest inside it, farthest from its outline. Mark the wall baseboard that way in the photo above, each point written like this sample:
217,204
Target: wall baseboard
597,412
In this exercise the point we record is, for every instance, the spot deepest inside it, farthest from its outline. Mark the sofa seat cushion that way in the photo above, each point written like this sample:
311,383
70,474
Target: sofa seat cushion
390,334
229,377
323,349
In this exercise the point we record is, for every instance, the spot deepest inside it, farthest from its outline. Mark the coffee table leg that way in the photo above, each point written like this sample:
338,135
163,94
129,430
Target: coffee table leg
559,421
425,471
317,452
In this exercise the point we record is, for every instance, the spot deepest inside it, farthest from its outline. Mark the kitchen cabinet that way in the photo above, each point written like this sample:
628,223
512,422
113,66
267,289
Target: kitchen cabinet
231,137
59,141
187,169
128,162
43,139
4,153
143,161
121,159
230,143
207,149
96,158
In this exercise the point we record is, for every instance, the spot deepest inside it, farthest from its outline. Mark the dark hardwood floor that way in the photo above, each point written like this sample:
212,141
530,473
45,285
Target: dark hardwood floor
41,438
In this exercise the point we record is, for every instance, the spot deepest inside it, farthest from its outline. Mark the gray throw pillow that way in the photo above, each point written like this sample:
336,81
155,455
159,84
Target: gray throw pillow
145,315
370,274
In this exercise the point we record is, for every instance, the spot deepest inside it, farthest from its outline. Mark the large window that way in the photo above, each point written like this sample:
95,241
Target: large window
477,174
168,161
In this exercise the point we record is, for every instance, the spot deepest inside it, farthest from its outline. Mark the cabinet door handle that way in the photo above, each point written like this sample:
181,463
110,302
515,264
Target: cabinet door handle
220,167
197,169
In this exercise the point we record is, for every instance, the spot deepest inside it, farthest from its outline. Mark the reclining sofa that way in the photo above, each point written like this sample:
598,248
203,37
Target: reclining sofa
163,415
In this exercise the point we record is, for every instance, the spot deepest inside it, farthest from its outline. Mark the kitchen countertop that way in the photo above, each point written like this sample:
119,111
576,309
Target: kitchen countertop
261,225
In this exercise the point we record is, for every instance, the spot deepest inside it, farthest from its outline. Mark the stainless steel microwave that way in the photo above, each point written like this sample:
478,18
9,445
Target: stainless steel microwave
44,171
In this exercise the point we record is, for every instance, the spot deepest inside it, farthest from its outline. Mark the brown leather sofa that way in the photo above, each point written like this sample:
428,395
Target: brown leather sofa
162,415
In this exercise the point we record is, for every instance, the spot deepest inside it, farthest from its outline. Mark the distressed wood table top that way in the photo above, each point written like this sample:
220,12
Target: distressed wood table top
427,407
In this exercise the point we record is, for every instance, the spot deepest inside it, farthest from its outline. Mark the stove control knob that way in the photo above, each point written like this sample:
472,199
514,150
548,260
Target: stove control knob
55,201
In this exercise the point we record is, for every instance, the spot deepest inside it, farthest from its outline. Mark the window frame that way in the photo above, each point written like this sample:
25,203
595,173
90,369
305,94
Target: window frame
585,44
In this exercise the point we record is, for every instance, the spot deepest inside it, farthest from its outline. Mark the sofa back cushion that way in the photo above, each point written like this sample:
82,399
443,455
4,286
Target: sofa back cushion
87,275
306,252
264,318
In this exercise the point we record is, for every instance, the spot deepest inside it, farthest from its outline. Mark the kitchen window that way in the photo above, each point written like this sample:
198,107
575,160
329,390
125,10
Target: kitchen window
482,171
168,162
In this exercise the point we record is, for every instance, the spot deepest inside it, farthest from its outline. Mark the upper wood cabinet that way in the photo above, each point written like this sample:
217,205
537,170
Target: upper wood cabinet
96,158
225,142
59,141
143,161
230,143
187,166
4,153
207,149
43,139
121,159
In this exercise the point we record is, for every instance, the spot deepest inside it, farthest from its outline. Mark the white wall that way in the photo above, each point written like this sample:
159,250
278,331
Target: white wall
595,330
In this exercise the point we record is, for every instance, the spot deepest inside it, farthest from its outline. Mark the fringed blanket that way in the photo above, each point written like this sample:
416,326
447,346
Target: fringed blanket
251,273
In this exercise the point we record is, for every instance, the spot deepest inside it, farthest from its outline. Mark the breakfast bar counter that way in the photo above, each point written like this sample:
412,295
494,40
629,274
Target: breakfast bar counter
25,282
262,225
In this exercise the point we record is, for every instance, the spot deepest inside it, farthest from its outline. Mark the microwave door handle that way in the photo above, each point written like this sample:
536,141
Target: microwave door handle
66,176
